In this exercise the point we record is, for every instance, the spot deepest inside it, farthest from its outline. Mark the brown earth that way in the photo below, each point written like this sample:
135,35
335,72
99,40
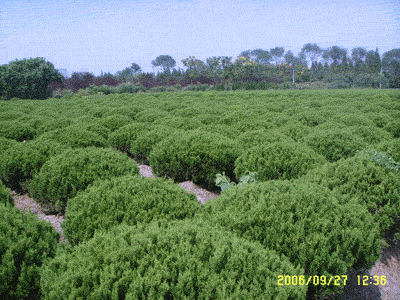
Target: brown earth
388,265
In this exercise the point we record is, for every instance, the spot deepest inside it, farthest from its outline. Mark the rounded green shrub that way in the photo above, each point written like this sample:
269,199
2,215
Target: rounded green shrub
21,162
279,160
74,136
371,134
49,124
5,196
6,144
25,243
150,115
114,122
375,186
226,130
335,143
122,138
390,147
296,130
127,199
146,140
63,175
394,128
179,122
352,119
260,137
194,155
17,130
322,231
168,260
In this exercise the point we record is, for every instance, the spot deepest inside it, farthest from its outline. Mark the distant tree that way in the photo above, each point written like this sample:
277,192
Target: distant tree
373,61
79,80
277,54
128,74
335,55
165,61
358,57
310,52
258,55
391,67
28,79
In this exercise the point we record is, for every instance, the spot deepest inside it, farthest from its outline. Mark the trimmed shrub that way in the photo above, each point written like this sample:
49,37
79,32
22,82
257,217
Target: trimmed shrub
74,136
168,260
371,134
25,243
377,187
17,130
352,119
6,144
294,129
5,197
304,221
196,156
394,128
335,143
122,138
141,147
21,162
63,175
115,122
150,115
279,160
261,137
228,131
179,122
391,147
43,125
127,199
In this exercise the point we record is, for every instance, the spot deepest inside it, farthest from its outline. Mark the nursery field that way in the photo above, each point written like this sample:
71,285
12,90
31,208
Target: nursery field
326,198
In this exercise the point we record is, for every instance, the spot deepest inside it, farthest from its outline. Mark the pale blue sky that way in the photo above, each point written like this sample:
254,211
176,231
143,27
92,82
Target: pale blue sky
110,35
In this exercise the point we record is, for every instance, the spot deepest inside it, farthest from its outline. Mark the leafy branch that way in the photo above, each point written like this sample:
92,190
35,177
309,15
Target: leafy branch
224,183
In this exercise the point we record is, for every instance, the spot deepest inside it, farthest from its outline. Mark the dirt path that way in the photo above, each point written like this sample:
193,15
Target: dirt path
388,265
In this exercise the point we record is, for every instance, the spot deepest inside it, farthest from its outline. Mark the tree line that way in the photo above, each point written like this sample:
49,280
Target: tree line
37,78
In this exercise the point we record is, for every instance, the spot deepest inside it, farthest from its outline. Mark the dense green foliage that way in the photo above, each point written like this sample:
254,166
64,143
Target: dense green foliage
122,138
24,244
16,130
27,79
74,136
19,163
374,185
5,196
279,160
334,143
303,221
63,175
260,137
127,199
168,260
141,146
115,121
194,155
6,143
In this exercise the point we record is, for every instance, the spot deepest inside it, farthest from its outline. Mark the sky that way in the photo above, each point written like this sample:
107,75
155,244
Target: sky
95,36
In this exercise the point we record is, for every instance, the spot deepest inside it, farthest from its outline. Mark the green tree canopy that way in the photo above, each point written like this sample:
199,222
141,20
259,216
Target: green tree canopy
28,79
164,61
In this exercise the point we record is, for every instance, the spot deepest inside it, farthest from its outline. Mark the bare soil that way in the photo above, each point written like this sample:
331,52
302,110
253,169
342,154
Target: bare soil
388,265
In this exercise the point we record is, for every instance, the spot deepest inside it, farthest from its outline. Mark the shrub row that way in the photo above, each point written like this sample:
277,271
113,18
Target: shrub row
19,163
63,175
168,260
128,199
194,155
375,186
325,232
24,245
280,160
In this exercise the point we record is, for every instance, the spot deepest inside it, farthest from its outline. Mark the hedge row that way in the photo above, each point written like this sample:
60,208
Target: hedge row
325,232
63,175
168,260
128,199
